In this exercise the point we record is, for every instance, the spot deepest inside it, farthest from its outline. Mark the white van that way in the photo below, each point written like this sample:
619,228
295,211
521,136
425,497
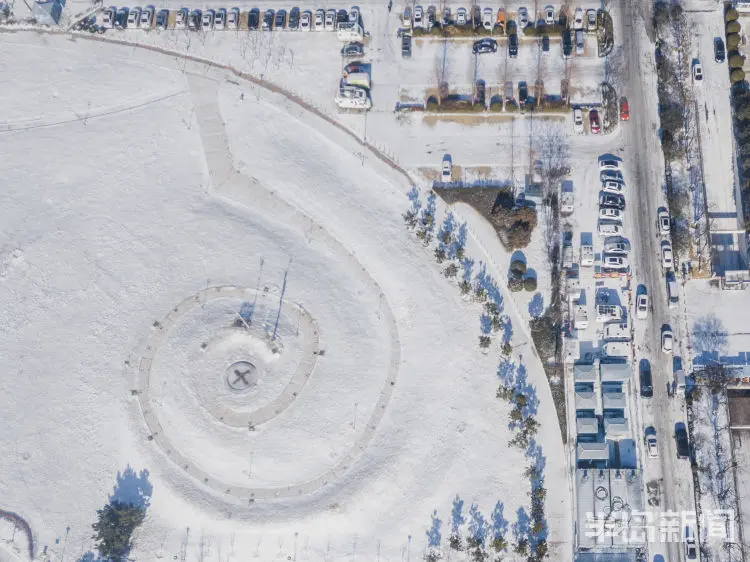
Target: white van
672,293
350,31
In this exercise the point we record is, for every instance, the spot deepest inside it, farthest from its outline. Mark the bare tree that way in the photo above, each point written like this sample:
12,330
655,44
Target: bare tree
616,68
441,73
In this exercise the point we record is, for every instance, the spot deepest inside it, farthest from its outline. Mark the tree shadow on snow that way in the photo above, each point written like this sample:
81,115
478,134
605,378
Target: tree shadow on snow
132,488
536,305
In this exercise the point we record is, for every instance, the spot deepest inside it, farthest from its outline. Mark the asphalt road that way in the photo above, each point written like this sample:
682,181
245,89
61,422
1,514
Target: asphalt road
645,167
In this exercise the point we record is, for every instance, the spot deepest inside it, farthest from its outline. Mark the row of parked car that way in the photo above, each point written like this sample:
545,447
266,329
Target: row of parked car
294,19
491,20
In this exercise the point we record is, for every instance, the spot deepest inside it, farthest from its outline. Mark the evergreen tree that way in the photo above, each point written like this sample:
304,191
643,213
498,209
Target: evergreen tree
114,527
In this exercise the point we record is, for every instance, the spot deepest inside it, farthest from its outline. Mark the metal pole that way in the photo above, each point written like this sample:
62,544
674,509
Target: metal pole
281,300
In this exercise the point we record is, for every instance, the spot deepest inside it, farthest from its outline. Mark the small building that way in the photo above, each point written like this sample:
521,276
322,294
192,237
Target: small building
615,372
593,452
587,426
613,401
585,400
616,428
48,12
584,373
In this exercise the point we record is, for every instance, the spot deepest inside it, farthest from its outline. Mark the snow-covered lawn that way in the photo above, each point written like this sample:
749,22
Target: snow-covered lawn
137,181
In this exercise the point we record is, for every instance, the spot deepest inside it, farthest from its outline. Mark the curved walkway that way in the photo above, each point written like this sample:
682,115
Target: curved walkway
224,414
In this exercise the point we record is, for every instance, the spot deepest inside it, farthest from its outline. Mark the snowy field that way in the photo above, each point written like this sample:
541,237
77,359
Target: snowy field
136,182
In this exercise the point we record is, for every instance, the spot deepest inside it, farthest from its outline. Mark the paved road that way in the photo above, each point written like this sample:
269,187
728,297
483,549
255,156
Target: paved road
643,159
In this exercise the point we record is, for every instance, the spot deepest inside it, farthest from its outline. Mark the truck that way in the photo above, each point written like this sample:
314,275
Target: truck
587,255
618,349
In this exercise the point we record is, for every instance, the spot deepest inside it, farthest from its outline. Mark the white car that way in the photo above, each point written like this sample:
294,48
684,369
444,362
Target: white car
108,17
667,258
667,340
616,246
609,164
147,17
691,550
134,17
578,19
578,120
609,229
320,20
651,446
461,16
591,20
447,171
523,17
488,19
220,20
641,306
208,20
697,72
330,21
354,14
610,213
305,20
612,187
615,262
663,221
418,17
549,15
233,18
181,18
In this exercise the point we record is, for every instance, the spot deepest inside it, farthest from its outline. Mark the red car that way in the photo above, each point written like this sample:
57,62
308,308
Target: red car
594,121
624,110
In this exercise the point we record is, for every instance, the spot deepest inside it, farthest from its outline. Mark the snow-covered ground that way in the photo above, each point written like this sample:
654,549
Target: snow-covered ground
134,181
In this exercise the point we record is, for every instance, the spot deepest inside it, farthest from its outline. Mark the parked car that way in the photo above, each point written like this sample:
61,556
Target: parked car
418,17
320,19
641,306
485,45
430,23
108,17
488,19
667,258
405,18
616,246
667,339
567,44
624,110
253,19
609,164
354,14
545,45
663,220
147,17
220,19
330,21
647,383
207,21
342,16
651,445
612,175
355,49
591,20
181,18
500,20
268,18
446,18
121,18
594,121
523,18
609,228
280,20
523,92
612,200
578,120
294,14
578,19
580,42
305,20
461,16
615,262
681,440
719,50
162,19
691,550
610,213
697,71
513,46
406,46
611,186
134,16
195,20
447,170
549,15
233,18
